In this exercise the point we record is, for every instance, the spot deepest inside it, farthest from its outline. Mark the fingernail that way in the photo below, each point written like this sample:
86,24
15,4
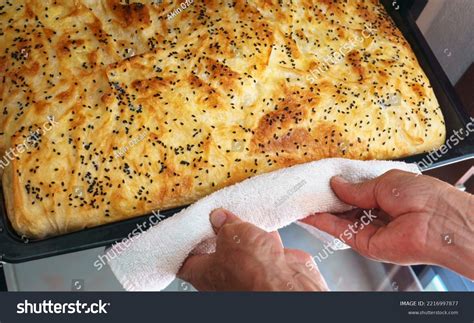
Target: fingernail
218,218
339,180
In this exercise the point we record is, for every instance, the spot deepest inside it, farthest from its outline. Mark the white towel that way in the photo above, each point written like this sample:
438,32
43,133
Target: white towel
270,201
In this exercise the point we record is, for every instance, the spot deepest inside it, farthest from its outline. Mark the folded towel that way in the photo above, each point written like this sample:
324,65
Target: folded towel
269,201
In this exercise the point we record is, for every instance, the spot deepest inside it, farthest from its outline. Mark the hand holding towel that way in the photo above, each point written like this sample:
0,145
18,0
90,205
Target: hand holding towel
269,201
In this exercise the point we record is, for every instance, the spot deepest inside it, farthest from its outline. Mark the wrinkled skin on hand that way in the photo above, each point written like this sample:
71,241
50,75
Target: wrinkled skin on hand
250,259
420,220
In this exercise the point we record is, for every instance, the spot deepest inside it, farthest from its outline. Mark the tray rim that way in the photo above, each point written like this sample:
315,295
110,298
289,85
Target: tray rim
14,250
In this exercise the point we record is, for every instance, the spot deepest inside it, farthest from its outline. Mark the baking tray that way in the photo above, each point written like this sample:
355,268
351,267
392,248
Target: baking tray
14,249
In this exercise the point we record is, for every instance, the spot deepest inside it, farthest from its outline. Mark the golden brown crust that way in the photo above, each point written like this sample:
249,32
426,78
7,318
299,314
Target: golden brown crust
152,113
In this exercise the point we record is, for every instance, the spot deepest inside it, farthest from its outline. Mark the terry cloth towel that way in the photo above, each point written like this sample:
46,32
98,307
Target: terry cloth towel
270,201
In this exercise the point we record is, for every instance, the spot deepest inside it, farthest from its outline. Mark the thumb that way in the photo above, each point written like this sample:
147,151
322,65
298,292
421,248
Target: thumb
361,195
220,217
195,270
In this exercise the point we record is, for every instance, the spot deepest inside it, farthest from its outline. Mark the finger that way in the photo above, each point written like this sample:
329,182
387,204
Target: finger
352,232
195,271
383,218
358,194
276,236
220,217
360,239
329,223
352,215
303,262
297,256
378,217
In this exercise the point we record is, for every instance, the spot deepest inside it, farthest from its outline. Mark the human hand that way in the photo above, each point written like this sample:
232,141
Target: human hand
250,259
419,220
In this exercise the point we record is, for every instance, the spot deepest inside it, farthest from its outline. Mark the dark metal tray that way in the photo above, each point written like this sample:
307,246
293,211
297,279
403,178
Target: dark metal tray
14,249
